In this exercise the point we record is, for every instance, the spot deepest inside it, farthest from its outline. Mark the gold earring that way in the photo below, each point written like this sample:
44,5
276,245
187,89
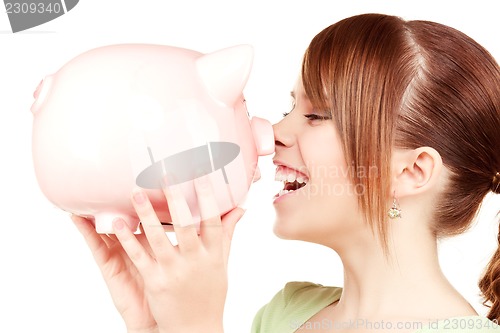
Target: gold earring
395,211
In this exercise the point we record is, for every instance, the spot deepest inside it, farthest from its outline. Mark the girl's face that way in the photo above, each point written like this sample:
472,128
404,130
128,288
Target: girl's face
321,203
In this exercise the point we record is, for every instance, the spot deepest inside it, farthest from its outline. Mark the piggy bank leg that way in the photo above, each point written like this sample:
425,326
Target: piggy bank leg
104,222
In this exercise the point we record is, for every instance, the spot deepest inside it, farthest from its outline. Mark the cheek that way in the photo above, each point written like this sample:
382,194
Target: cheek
323,155
329,201
332,196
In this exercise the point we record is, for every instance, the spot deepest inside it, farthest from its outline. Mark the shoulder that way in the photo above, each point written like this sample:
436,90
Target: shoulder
469,324
307,293
293,305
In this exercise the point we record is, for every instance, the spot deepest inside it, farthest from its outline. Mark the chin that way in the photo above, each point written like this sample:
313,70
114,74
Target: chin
291,229
284,230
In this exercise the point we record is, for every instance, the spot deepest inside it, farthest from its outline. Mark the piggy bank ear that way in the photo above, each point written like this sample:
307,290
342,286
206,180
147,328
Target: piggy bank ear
225,72
41,93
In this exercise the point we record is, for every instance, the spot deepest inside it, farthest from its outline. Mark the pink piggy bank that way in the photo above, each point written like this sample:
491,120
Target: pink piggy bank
122,116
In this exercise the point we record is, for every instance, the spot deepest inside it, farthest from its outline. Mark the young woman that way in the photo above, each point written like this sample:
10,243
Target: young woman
393,141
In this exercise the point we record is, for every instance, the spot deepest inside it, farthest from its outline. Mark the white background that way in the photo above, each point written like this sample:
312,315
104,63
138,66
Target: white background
48,280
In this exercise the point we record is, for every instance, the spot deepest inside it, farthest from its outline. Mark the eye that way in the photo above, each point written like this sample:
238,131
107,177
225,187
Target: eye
314,116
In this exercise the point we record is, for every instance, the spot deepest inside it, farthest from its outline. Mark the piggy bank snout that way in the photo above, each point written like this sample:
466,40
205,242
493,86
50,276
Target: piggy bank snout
263,134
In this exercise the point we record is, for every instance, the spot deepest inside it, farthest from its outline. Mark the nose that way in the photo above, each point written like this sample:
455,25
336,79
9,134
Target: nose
282,134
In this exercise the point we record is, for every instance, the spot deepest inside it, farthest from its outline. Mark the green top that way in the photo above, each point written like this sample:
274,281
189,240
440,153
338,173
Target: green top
291,308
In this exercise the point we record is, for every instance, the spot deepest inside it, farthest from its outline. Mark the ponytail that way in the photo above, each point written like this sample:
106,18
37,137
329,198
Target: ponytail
490,282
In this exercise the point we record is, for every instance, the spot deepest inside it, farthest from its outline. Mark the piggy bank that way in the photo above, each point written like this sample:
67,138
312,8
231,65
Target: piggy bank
138,115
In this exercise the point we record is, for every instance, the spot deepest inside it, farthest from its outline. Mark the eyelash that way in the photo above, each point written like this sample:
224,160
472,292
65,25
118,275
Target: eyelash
313,116
292,108
310,116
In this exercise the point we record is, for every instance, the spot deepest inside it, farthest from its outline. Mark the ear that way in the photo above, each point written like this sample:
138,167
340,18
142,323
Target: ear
415,171
226,72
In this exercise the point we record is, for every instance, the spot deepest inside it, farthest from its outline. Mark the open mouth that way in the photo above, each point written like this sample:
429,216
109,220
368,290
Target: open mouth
293,180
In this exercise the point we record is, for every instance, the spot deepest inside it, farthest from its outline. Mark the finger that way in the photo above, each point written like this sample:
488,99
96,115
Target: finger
96,244
144,240
185,231
110,240
135,251
228,224
210,225
159,243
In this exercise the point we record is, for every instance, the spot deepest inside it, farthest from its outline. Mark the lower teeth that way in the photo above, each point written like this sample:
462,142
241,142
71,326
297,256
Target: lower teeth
282,192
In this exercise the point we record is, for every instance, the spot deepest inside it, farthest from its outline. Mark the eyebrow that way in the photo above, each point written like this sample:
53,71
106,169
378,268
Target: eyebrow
294,96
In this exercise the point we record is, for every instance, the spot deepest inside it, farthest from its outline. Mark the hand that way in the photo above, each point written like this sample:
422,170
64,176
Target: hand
185,285
122,278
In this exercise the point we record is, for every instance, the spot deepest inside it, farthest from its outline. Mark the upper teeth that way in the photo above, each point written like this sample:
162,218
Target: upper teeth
289,177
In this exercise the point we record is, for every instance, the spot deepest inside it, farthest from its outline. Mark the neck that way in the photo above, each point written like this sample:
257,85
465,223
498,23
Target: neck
406,283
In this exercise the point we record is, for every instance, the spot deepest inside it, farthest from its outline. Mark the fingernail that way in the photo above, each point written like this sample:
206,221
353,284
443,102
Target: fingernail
118,224
202,182
139,197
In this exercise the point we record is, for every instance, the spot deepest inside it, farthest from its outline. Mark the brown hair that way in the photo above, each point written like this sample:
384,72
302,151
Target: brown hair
407,84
